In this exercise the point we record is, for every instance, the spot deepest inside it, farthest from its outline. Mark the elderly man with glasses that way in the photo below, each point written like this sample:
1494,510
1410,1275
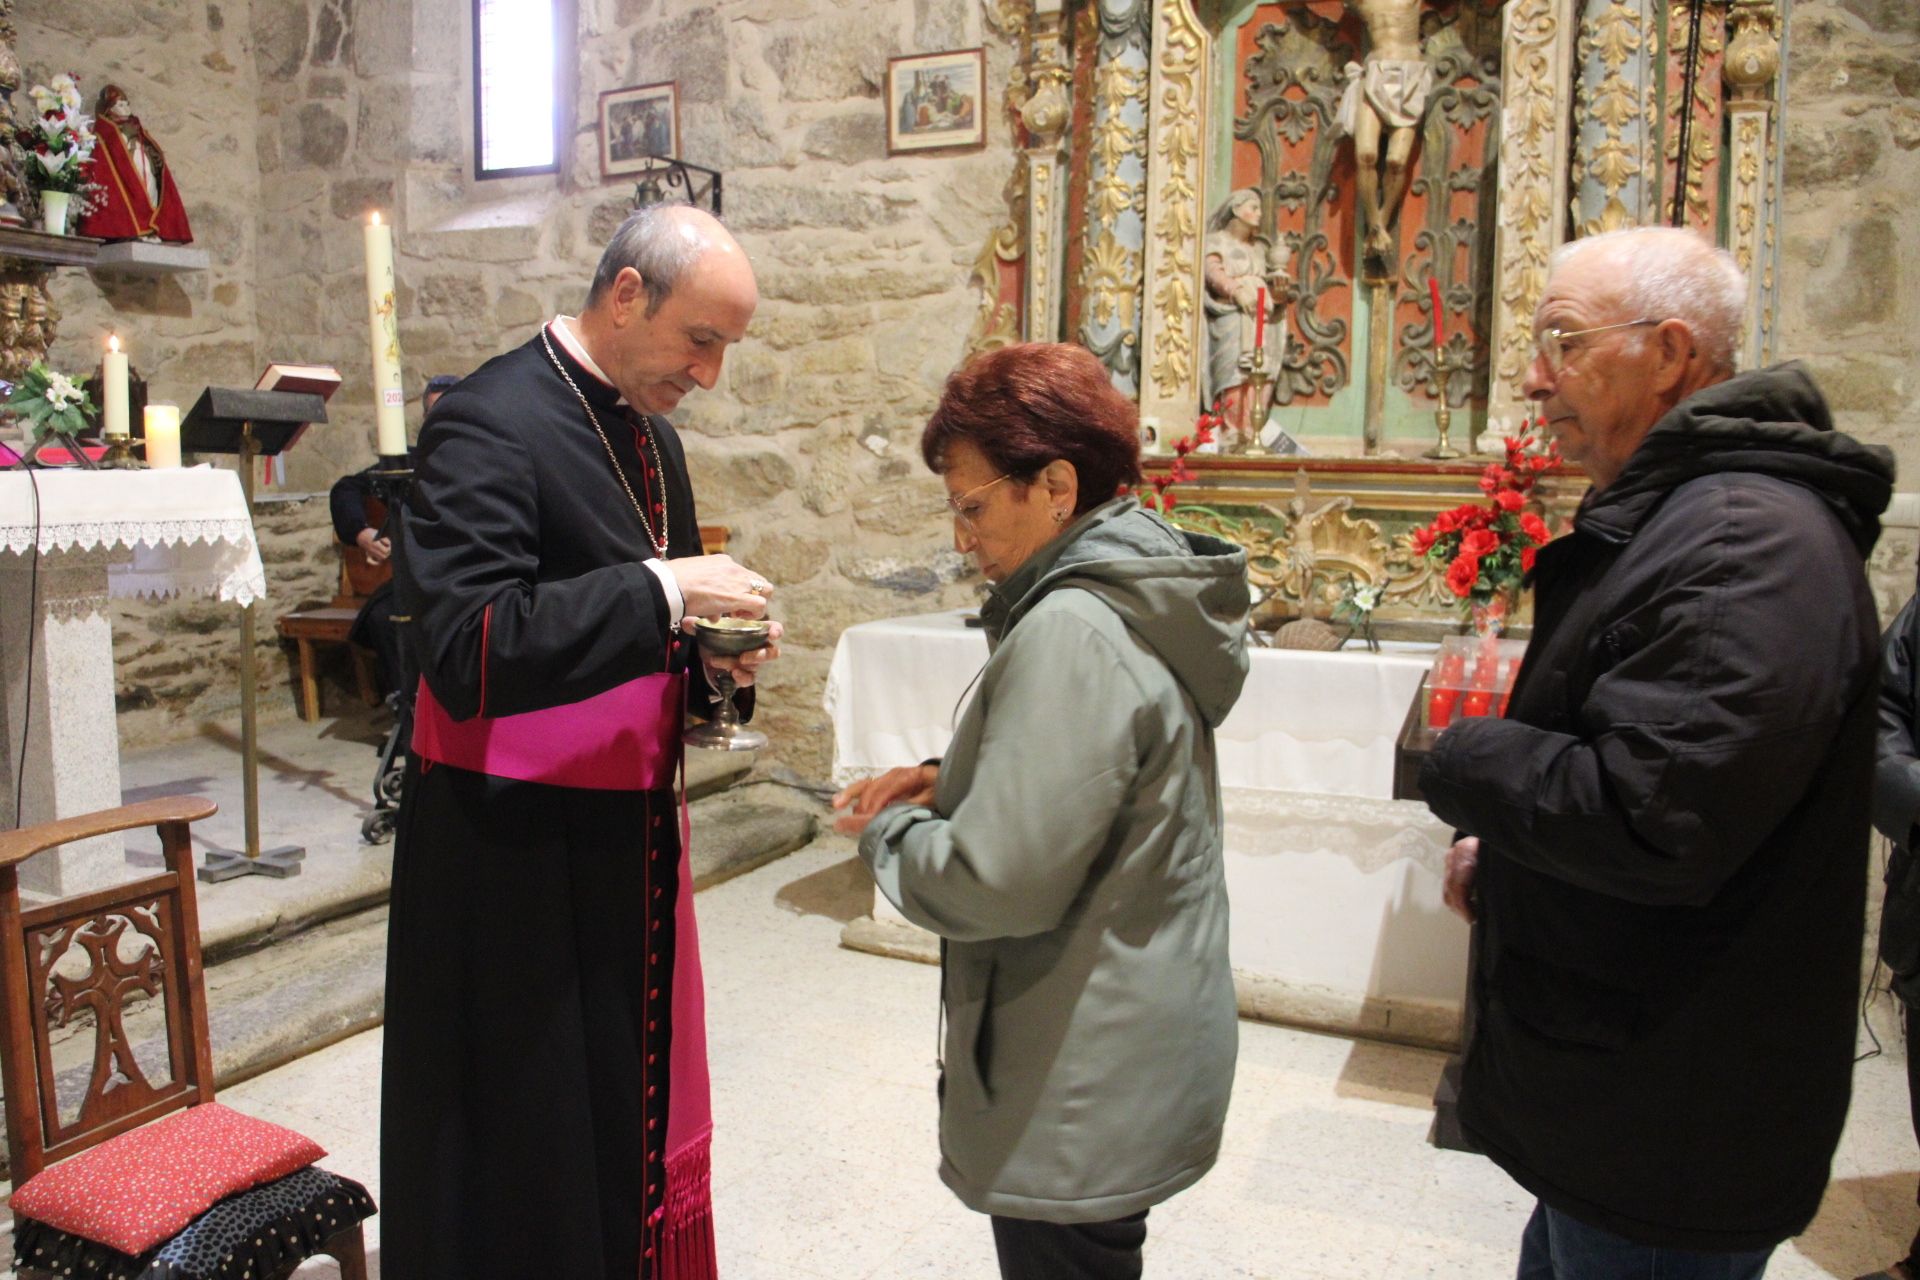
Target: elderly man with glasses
1665,841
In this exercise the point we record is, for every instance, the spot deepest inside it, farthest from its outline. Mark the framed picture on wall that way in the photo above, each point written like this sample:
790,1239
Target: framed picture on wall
636,123
936,102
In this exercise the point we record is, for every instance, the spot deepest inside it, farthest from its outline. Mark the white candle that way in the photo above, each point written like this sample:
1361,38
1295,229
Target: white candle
113,390
383,321
163,435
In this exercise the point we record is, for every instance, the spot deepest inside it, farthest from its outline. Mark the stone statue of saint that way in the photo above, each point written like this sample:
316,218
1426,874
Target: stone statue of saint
1240,263
1388,95
136,199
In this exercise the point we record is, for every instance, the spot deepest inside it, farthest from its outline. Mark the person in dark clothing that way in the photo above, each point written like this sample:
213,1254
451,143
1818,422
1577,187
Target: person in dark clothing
544,1095
347,502
1665,841
1896,812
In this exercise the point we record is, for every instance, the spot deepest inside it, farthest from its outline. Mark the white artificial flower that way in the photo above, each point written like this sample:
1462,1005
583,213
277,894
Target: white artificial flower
44,99
1367,597
69,90
61,392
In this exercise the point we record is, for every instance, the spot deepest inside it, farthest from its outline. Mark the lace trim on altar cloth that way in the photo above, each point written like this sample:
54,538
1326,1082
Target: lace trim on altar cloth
159,558
1370,833
87,535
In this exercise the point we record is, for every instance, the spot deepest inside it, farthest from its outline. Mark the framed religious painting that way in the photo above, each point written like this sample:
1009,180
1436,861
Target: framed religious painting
936,102
637,123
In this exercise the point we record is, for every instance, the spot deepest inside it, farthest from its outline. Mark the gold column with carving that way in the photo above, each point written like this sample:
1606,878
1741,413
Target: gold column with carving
1753,60
1177,109
1534,145
1045,115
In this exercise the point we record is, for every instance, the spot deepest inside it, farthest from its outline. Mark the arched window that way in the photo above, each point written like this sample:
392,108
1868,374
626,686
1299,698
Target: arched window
515,117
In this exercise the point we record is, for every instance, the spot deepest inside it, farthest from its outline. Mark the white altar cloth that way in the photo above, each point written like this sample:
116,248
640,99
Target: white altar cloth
1337,918
180,530
69,540
1306,721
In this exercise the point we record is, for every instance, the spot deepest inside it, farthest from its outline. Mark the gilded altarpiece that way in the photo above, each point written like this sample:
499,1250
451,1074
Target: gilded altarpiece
1545,120
1352,376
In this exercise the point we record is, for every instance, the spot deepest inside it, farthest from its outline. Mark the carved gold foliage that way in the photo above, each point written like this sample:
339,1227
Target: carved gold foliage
1113,273
1614,103
1528,157
1177,142
1615,35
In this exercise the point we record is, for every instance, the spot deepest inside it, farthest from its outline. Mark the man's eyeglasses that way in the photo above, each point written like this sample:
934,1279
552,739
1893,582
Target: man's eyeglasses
1552,343
965,509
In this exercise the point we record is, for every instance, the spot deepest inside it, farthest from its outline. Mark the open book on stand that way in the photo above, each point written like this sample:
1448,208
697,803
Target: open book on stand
284,375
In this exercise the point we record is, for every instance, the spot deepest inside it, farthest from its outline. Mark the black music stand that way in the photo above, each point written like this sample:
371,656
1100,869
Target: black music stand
250,424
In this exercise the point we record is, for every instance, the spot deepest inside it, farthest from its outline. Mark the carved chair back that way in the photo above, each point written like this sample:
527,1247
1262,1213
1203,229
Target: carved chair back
95,954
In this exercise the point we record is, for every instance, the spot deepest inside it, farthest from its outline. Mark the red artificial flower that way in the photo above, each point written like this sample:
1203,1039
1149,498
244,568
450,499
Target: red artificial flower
1180,472
1479,542
1183,446
1462,574
1167,501
1423,540
1475,517
1509,499
1534,527
1526,559
1447,521
1492,478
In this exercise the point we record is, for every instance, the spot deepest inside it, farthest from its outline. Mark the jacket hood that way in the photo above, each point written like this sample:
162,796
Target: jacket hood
1771,422
1183,594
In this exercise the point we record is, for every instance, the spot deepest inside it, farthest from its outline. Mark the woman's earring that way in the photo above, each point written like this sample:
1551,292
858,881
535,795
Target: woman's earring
1059,517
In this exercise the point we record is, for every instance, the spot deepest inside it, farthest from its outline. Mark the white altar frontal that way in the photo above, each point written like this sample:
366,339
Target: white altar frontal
1337,917
69,540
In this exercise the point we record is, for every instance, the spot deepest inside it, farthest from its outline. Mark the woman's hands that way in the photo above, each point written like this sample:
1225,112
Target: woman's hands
911,785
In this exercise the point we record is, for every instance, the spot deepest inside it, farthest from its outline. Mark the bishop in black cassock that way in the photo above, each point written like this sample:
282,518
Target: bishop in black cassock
544,1099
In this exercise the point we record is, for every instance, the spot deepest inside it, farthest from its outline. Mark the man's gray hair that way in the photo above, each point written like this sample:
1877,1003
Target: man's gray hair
1674,273
655,243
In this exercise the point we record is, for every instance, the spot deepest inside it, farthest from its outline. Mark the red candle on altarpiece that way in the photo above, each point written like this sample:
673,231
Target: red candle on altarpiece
1433,287
1260,321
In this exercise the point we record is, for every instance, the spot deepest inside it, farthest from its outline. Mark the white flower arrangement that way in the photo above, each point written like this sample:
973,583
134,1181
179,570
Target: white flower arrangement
60,140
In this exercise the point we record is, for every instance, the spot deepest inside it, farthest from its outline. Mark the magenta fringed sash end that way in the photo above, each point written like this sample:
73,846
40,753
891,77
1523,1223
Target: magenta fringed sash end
626,739
680,1232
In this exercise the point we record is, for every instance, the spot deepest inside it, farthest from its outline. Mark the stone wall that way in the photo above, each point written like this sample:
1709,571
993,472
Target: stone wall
288,120
186,66
1850,263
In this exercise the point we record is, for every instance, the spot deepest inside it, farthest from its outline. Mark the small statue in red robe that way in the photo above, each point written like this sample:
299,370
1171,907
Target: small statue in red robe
135,198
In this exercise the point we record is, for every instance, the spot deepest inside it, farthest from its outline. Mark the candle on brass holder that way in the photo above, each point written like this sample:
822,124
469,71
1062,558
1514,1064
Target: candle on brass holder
1442,413
1259,379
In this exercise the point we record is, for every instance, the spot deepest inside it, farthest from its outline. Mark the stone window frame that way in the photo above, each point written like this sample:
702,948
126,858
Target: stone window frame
563,46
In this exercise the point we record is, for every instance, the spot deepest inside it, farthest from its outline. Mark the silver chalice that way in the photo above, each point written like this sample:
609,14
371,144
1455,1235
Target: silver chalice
728,638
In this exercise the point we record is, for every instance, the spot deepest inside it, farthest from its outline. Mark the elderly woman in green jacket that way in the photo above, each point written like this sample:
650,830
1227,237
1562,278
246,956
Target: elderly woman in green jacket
1067,848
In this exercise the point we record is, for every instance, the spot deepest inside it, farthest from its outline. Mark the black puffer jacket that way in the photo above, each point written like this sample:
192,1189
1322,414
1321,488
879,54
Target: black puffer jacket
1674,830
1896,799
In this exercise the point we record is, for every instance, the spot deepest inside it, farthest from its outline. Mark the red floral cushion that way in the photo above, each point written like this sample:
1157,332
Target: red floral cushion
146,1185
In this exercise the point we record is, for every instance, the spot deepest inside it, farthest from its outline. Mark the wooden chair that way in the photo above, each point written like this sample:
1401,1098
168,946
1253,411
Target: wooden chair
141,938
333,623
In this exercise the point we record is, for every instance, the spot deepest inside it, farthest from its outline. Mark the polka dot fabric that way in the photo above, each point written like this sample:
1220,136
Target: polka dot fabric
257,1233
145,1186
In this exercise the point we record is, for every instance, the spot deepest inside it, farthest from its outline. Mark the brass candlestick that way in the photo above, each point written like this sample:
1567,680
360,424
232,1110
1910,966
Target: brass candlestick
120,455
1259,378
1442,413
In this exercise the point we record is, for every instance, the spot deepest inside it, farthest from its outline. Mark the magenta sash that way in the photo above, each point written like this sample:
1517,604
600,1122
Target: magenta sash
626,739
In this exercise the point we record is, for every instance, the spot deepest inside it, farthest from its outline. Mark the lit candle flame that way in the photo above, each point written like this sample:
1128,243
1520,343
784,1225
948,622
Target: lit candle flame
113,342
373,219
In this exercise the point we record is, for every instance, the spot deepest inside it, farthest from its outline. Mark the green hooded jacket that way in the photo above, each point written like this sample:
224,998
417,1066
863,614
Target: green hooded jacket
1072,862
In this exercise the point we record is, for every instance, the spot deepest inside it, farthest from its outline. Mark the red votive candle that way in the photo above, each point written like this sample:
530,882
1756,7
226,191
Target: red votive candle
1260,320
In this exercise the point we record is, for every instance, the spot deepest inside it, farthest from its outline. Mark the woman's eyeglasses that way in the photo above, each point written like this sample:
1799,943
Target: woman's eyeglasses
965,509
